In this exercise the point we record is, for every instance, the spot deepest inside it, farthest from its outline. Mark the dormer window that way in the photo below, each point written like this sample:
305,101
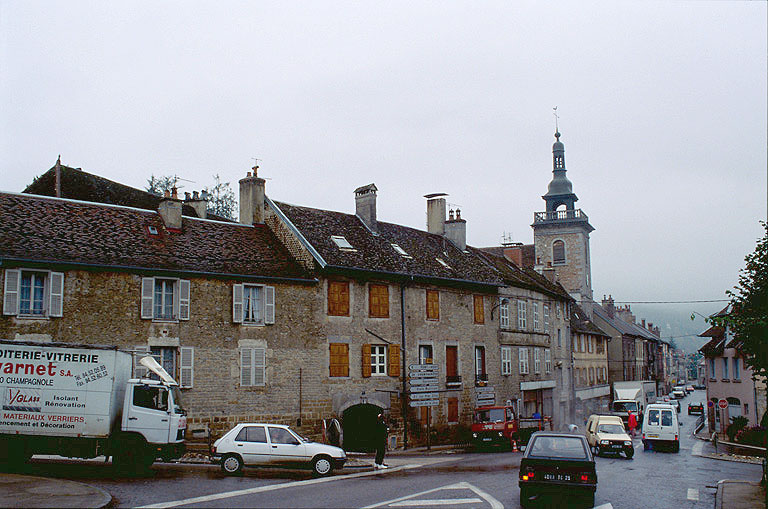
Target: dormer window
443,263
342,243
153,230
401,251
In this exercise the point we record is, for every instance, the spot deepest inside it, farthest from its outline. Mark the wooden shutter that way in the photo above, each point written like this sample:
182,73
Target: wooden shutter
479,309
259,366
453,410
433,305
393,369
246,367
237,304
269,304
140,371
184,290
187,366
147,294
11,295
56,304
339,359
338,298
366,361
378,301
451,361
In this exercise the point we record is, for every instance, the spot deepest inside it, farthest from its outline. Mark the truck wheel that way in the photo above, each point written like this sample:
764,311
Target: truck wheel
322,465
133,456
231,464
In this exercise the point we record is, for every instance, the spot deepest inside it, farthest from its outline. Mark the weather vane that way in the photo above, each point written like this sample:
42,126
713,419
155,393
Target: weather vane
556,117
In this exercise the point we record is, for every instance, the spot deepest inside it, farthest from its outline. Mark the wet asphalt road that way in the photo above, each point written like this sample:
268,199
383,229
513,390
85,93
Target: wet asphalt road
652,479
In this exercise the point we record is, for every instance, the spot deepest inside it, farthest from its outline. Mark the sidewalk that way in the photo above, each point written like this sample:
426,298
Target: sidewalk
739,494
30,491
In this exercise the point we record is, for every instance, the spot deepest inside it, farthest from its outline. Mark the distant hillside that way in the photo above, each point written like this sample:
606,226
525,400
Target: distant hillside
674,321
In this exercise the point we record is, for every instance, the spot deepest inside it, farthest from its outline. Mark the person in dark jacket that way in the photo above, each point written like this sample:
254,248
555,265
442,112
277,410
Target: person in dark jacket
380,439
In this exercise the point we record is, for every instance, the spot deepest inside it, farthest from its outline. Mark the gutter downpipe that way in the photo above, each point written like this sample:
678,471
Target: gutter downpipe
403,396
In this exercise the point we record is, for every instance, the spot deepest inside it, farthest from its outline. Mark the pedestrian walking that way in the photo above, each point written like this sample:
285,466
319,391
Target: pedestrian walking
632,421
381,431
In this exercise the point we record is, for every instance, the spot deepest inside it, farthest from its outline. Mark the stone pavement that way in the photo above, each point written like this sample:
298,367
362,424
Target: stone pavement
29,491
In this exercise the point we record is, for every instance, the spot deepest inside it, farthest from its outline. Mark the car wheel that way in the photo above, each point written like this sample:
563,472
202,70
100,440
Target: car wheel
322,465
591,500
645,445
231,464
525,495
630,452
676,447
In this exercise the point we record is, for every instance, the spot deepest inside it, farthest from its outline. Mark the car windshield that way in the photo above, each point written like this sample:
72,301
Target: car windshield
490,415
558,447
624,406
614,429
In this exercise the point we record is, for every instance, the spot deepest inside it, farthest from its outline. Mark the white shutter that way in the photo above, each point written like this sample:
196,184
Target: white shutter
246,367
184,287
259,366
237,304
147,294
56,306
269,304
11,297
187,366
140,371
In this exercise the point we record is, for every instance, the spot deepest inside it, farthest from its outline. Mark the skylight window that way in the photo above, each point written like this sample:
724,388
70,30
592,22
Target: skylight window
152,230
442,262
401,251
342,243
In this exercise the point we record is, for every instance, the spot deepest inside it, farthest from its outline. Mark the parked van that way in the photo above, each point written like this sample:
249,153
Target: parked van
606,434
660,426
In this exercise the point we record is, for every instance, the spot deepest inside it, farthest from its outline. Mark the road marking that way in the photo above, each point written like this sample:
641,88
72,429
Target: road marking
446,501
604,506
273,487
400,502
697,448
693,494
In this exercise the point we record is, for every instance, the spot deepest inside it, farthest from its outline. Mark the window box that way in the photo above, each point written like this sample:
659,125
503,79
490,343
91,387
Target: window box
481,380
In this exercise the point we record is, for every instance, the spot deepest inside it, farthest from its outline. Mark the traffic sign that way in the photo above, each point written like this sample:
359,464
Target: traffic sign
486,389
423,367
426,402
422,381
424,388
722,403
424,395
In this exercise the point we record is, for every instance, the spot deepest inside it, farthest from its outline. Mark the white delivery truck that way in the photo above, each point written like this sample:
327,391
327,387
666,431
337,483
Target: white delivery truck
632,396
79,401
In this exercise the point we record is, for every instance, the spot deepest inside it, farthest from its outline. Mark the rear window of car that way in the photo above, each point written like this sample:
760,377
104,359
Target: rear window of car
653,417
558,447
666,418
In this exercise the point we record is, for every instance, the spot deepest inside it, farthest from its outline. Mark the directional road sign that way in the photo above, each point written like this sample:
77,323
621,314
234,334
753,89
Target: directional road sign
425,402
424,388
424,367
423,381
424,395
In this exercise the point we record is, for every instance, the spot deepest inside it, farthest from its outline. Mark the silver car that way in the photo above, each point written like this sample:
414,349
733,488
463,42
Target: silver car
261,444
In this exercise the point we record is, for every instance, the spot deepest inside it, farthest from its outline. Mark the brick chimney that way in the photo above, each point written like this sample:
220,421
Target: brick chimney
436,213
197,202
608,306
252,199
170,210
365,206
456,230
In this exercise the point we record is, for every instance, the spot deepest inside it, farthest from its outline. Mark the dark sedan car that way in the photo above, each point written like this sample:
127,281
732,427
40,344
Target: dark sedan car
557,463
695,408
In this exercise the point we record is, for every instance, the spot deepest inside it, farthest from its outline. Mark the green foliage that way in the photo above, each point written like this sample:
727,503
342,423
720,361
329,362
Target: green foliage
158,185
756,435
737,424
221,199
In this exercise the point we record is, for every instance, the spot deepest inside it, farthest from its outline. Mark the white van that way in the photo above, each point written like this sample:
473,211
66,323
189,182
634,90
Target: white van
660,426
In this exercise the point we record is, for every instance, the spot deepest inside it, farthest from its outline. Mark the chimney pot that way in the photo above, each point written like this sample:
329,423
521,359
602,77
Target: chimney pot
195,195
166,194
174,193
458,214
187,196
450,215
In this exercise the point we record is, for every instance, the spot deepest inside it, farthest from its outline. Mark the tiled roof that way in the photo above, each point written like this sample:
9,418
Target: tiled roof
580,322
53,230
522,277
79,185
527,253
375,253
625,328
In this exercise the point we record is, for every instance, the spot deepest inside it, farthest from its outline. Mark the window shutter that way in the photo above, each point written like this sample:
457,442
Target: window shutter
187,366
269,304
147,294
11,297
479,309
394,360
140,371
56,304
339,365
366,360
237,305
246,367
184,290
259,366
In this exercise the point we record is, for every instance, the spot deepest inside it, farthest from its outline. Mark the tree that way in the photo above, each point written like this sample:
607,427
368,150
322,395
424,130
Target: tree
158,185
748,317
221,199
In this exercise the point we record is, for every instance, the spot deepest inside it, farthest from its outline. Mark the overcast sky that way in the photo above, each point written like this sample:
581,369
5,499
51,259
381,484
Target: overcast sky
662,111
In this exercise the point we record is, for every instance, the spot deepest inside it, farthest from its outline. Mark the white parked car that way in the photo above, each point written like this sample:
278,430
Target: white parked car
260,444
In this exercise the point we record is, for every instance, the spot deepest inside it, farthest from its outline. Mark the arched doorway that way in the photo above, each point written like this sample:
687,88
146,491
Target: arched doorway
358,422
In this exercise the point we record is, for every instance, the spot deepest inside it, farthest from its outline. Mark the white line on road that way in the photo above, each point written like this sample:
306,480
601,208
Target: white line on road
445,501
693,494
271,487
697,448
605,506
495,504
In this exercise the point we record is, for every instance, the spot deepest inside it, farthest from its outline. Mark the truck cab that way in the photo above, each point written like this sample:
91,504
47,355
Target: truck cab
494,425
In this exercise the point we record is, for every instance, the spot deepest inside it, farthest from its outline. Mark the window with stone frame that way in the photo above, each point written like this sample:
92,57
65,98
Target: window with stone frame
253,304
522,355
480,373
503,313
506,360
546,317
33,293
425,354
433,305
380,360
165,299
253,366
452,365
537,360
547,360
338,298
479,308
536,324
378,301
599,345
339,360
521,314
558,253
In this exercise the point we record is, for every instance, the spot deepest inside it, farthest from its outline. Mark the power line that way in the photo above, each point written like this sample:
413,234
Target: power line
670,301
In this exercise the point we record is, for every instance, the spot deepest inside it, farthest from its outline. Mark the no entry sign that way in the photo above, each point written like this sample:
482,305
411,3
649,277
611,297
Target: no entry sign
722,403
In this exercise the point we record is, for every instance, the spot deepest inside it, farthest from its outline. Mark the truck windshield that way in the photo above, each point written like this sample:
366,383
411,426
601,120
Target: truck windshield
624,406
178,408
490,415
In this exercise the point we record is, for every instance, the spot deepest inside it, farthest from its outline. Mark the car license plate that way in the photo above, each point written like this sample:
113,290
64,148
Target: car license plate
652,436
487,439
616,446
557,477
